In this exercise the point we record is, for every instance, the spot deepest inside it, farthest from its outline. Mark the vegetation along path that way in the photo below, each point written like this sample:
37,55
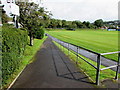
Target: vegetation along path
52,69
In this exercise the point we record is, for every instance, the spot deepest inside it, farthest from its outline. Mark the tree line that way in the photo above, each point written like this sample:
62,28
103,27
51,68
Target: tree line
97,24
56,23
35,19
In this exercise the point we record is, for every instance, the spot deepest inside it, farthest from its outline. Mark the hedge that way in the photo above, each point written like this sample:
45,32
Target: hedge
14,42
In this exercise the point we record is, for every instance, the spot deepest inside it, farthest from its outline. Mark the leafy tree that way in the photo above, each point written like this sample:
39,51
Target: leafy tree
87,24
32,17
78,24
59,24
39,33
64,23
99,23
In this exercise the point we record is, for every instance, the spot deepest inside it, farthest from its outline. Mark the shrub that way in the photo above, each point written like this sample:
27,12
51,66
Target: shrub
39,33
13,46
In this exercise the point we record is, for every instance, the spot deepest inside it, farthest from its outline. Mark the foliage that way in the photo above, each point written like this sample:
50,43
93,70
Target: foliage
5,18
60,24
13,46
27,58
32,17
56,23
39,33
98,23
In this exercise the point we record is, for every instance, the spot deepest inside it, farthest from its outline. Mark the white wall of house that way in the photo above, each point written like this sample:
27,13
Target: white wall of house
10,8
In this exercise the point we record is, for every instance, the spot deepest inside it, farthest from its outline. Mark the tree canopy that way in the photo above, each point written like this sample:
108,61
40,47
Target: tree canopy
32,17
98,23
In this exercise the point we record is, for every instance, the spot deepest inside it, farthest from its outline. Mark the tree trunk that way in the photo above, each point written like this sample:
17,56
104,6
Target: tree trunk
31,40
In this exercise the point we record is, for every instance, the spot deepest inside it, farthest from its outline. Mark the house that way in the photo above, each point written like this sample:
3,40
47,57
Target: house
11,9
104,27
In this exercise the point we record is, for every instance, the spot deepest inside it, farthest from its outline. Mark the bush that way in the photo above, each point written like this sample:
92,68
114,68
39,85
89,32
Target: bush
39,33
5,17
13,46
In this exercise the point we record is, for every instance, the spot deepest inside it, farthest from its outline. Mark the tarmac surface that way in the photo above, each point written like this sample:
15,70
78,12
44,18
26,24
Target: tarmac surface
52,69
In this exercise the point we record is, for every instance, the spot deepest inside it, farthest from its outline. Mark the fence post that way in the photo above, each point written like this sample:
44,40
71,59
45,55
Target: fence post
117,71
98,69
77,56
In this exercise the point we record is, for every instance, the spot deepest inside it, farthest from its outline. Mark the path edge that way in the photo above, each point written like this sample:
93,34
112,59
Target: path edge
16,78
11,84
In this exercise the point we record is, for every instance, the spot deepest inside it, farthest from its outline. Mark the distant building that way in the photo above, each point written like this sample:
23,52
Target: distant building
104,27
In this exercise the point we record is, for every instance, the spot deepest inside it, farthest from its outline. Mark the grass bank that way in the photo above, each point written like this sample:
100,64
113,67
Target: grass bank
88,69
27,58
96,40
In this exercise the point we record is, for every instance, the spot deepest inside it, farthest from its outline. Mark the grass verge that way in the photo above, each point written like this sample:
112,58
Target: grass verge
94,40
27,58
88,69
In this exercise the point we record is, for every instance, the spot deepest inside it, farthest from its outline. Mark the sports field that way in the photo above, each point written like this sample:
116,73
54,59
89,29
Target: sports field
96,40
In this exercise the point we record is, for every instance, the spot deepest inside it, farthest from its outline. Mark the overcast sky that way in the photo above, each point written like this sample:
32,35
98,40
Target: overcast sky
83,10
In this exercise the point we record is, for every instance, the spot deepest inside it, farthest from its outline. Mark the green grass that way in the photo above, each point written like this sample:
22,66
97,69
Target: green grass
88,69
100,41
27,58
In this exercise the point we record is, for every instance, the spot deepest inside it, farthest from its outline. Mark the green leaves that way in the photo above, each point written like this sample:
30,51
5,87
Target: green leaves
13,46
98,23
33,18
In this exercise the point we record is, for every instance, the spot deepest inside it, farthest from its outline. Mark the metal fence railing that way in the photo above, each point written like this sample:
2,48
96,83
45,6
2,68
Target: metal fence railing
76,52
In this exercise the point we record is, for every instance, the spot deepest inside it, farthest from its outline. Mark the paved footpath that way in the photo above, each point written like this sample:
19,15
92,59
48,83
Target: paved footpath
52,69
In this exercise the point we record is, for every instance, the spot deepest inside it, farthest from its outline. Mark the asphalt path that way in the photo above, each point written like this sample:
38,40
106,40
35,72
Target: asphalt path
52,69
104,61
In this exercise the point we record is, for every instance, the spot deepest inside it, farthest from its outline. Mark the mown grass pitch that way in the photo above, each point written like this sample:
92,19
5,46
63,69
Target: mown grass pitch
100,41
